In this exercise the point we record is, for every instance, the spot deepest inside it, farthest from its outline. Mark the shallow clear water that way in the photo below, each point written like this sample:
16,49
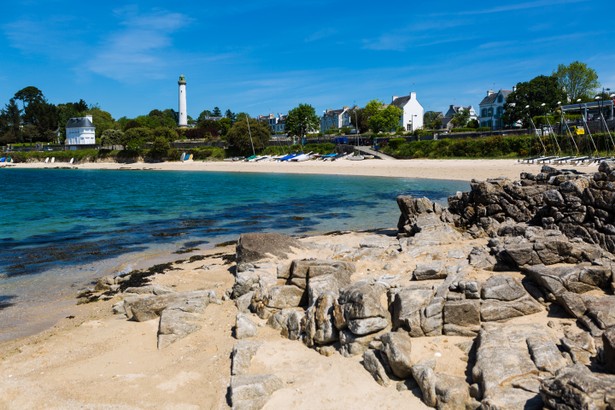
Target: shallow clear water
62,227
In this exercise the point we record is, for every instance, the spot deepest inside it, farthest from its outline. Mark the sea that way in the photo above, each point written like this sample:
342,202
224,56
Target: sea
61,229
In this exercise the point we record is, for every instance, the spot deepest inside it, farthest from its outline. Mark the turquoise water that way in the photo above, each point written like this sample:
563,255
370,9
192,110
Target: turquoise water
60,226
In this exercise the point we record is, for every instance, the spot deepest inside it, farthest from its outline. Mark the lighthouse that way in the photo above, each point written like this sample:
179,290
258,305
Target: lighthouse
183,108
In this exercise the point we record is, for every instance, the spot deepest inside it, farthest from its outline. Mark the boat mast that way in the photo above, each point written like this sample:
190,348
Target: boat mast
250,134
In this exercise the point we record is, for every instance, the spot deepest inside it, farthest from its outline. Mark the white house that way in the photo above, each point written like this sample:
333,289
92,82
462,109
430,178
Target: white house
492,109
80,131
413,111
335,119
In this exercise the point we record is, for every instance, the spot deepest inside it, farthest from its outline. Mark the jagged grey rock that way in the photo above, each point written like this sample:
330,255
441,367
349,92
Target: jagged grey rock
407,305
507,346
576,387
140,309
397,346
241,356
496,310
182,318
545,354
252,247
608,352
425,377
283,296
251,392
502,287
362,304
429,271
244,326
373,365
319,327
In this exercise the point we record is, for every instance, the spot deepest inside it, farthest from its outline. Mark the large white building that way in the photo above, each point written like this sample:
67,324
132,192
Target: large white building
413,112
80,131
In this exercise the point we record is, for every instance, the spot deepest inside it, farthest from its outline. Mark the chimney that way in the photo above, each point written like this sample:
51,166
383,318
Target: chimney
412,95
490,92
394,98
89,117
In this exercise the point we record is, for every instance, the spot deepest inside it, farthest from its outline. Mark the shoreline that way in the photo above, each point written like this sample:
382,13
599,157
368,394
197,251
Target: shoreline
441,169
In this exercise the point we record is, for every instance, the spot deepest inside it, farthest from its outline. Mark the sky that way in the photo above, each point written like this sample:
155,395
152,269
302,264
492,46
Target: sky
269,56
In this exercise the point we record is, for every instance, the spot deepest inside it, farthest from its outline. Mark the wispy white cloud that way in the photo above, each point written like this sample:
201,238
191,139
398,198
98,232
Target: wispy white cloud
520,6
321,34
55,36
141,49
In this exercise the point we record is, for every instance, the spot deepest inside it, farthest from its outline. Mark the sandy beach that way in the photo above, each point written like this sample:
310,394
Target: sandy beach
97,359
457,169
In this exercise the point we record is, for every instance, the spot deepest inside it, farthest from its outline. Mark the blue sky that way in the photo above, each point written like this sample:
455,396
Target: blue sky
268,56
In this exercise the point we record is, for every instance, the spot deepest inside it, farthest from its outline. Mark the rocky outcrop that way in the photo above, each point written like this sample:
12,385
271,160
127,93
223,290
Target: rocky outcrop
442,278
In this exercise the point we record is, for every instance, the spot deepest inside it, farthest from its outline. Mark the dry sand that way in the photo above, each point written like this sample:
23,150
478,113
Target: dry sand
457,169
96,360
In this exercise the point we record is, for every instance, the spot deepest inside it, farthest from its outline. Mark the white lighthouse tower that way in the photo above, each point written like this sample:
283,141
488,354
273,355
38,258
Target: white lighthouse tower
183,108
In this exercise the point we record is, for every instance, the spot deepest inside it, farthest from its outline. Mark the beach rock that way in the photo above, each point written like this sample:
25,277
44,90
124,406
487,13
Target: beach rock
496,310
502,287
452,393
397,347
373,364
602,311
241,356
425,377
143,308
580,346
363,304
461,318
608,352
319,325
407,307
251,392
507,345
182,317
429,271
335,274
252,247
254,278
244,326
576,387
578,278
284,296
545,354
352,344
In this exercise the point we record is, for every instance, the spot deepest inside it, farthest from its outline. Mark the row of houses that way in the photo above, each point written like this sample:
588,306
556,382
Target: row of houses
491,109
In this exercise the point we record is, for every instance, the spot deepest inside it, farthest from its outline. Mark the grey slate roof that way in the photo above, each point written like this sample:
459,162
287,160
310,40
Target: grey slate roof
490,99
79,122
401,101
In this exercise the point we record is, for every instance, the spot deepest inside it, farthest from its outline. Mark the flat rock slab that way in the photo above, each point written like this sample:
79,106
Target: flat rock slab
252,247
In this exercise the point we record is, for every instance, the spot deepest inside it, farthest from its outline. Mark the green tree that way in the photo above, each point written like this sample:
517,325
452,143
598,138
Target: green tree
577,79
528,98
102,120
111,137
385,119
160,147
432,120
11,122
461,118
29,95
135,138
239,134
301,120
230,115
371,109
